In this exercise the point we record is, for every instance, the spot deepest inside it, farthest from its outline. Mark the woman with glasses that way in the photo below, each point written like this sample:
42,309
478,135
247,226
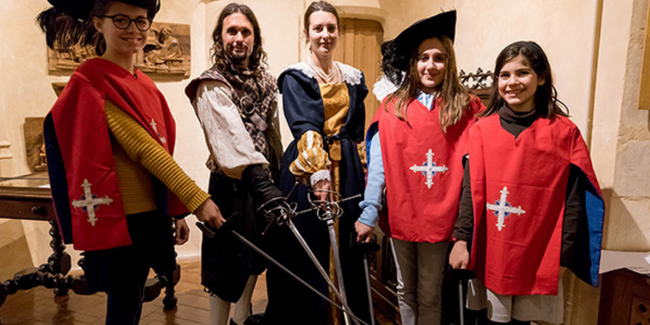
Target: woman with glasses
109,140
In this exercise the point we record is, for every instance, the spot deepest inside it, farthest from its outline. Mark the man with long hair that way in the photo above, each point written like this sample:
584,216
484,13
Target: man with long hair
235,101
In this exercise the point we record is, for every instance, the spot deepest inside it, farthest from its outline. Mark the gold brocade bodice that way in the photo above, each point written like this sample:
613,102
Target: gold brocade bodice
312,158
336,102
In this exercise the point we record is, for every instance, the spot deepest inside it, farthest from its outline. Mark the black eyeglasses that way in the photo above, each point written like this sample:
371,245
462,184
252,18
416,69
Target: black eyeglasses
123,22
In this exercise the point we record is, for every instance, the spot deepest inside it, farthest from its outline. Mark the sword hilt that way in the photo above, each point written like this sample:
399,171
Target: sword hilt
278,211
344,308
205,229
326,209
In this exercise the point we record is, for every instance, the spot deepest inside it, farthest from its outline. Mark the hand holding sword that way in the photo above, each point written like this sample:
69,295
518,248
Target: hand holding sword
277,210
209,213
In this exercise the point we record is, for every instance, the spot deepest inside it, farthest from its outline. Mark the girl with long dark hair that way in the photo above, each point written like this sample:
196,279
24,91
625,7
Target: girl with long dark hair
531,205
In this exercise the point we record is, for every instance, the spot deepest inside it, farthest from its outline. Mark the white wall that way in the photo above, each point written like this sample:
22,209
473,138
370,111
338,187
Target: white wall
27,85
594,48
564,29
621,130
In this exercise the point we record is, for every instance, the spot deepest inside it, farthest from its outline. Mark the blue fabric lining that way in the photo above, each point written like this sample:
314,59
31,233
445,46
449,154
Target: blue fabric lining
58,181
585,260
595,208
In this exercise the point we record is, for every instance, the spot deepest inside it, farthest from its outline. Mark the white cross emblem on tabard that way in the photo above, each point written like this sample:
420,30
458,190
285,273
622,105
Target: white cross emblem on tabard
503,209
89,202
153,125
429,168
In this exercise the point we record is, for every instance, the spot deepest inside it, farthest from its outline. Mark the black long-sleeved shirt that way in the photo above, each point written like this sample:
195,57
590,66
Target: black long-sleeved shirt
574,210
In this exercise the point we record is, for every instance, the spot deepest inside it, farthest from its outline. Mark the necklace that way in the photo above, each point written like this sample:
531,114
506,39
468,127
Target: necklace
332,77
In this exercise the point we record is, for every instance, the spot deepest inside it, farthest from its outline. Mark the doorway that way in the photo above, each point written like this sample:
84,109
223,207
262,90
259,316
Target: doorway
359,46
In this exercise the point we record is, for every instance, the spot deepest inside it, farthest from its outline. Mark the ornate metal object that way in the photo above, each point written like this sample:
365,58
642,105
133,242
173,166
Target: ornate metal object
477,80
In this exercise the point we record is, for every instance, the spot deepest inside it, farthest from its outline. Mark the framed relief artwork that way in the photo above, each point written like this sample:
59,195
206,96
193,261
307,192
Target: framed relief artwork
167,53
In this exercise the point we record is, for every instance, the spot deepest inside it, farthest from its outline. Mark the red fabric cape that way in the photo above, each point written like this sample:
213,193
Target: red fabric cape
526,177
84,143
421,208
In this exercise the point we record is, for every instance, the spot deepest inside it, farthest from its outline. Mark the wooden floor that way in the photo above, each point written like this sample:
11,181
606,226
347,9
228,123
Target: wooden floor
39,306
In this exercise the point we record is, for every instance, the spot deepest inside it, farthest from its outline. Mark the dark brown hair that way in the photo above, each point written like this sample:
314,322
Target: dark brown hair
455,97
258,57
320,6
100,9
63,31
546,102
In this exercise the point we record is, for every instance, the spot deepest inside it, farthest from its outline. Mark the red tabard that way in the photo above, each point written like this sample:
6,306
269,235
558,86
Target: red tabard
518,193
85,145
424,171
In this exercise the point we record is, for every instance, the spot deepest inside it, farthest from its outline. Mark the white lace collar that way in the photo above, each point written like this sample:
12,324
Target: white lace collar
349,74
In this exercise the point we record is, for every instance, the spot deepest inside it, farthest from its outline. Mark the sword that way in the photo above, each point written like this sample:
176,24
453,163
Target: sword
328,211
461,276
337,264
283,214
210,234
279,211
339,294
326,202
365,249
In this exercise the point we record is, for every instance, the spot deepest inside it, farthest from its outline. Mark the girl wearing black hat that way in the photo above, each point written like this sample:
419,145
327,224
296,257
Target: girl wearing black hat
423,127
109,141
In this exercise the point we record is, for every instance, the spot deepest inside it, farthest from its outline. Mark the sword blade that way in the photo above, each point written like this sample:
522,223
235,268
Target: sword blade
258,250
461,302
337,264
322,271
367,274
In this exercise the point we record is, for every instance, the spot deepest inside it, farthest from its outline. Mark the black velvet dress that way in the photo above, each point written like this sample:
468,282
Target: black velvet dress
289,301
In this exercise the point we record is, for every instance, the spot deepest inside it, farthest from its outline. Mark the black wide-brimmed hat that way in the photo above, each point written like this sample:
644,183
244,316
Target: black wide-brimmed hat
80,9
397,52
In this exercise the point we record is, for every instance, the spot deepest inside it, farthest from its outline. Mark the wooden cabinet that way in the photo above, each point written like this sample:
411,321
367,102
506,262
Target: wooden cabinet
29,198
26,197
625,298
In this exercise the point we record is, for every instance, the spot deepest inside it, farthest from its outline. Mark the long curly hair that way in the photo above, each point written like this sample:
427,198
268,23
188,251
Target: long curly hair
546,101
258,59
455,97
